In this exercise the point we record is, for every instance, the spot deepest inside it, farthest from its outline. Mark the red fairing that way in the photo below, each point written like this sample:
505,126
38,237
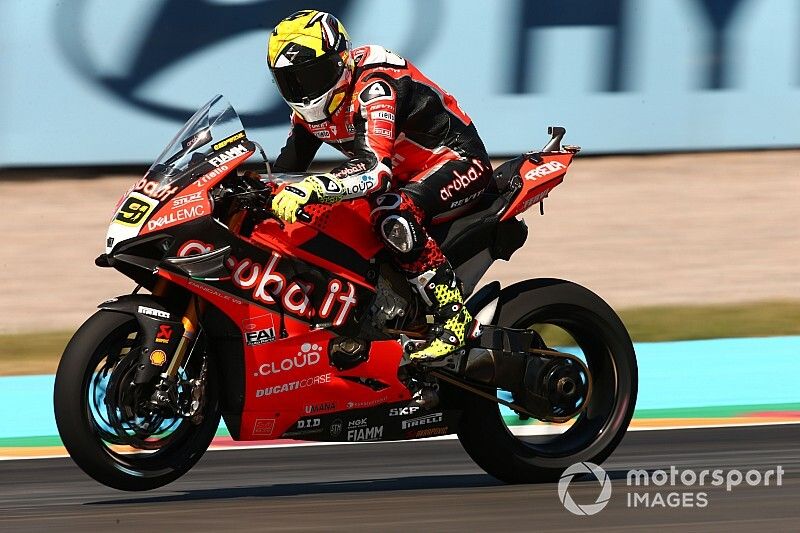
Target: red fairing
347,222
193,201
284,380
538,179
265,285
238,310
344,222
285,376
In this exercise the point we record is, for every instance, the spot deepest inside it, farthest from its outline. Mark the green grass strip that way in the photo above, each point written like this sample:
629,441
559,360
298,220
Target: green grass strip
695,322
671,323
32,353
30,442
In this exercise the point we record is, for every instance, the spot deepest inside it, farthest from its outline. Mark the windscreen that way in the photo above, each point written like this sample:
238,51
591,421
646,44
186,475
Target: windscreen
201,150
211,128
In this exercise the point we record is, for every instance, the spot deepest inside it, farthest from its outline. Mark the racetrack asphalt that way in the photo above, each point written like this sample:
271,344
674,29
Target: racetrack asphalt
427,486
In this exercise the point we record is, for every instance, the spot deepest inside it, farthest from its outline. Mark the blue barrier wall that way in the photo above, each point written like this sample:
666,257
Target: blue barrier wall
95,81
672,375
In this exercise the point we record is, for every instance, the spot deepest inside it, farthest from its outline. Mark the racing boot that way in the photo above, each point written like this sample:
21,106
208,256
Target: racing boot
451,320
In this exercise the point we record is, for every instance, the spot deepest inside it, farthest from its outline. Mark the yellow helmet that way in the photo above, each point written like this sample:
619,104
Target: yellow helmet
309,56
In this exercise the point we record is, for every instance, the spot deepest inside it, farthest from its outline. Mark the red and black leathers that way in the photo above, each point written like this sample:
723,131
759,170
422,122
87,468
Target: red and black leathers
405,136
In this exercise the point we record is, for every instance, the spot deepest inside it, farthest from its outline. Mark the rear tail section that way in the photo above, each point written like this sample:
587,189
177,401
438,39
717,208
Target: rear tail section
528,179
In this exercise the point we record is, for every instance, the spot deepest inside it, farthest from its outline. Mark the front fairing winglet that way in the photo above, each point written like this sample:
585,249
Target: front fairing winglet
210,265
107,261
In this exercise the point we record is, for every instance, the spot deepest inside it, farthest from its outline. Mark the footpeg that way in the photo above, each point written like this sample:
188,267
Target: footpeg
449,362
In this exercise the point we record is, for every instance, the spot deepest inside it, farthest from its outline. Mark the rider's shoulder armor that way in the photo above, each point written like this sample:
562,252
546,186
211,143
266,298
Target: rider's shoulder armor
374,56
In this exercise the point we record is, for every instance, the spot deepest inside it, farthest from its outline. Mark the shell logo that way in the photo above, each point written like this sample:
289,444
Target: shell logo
158,357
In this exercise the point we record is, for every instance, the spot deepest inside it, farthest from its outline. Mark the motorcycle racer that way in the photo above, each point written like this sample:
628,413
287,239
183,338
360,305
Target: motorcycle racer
413,153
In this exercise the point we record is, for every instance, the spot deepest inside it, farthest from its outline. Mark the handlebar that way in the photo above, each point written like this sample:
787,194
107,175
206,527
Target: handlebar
255,196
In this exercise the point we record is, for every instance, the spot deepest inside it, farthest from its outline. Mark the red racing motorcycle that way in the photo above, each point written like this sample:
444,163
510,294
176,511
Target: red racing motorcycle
302,330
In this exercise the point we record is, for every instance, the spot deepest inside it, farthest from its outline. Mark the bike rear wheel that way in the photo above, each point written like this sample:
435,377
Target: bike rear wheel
606,348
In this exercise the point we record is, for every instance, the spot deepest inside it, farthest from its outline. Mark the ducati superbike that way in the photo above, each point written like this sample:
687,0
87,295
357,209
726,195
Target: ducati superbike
302,330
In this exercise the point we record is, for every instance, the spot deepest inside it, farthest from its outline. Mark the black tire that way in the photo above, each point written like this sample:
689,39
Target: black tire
103,333
598,430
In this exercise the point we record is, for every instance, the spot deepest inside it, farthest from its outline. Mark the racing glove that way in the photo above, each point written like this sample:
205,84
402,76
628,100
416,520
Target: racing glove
322,188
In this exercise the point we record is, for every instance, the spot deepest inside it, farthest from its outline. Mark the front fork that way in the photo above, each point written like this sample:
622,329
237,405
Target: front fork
165,394
190,322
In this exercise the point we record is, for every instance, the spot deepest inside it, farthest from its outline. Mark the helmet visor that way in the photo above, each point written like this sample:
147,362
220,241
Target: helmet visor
310,79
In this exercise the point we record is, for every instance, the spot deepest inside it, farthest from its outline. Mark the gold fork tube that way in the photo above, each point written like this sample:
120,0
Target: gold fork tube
190,323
